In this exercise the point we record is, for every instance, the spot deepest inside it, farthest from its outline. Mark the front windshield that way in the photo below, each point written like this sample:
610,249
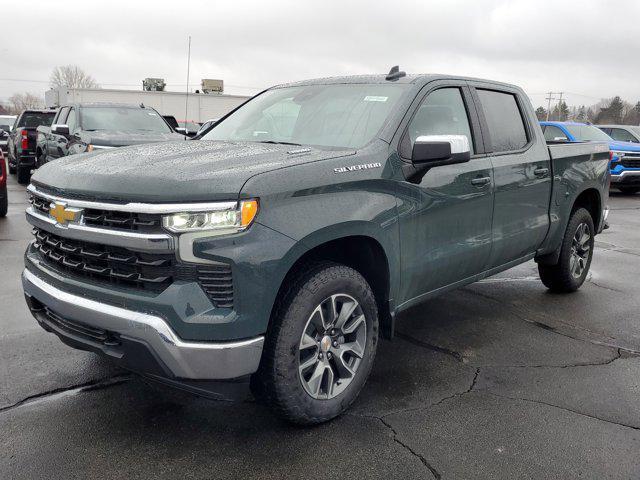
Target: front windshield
340,115
122,118
587,133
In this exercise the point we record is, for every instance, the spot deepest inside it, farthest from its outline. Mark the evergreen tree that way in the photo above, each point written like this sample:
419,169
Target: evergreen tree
563,111
541,113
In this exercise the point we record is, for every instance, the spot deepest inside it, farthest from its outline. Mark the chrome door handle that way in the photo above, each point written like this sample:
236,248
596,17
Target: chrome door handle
541,172
480,181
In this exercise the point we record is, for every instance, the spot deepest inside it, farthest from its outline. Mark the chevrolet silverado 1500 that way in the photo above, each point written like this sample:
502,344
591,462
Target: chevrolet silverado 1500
274,251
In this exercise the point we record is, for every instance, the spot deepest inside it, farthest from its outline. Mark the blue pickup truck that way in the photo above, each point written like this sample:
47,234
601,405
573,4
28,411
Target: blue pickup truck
625,156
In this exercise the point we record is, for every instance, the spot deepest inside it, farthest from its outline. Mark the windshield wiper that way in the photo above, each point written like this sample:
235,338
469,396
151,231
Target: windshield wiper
280,143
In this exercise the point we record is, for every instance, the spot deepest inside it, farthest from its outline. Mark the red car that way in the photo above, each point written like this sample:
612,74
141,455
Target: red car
4,200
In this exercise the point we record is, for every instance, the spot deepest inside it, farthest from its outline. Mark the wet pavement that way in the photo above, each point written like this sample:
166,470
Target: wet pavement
500,379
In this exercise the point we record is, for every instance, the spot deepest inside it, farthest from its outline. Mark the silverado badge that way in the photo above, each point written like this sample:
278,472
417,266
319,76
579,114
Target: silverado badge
63,214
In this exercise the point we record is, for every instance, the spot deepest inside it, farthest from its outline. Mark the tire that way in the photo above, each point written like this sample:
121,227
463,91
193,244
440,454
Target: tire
323,389
4,205
576,254
24,174
629,190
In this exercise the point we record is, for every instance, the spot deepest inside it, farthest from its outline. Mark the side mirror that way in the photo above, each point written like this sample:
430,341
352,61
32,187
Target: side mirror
60,129
434,150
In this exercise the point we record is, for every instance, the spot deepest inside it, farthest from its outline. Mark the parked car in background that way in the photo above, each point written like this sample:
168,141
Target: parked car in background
80,127
625,156
274,253
206,125
622,133
21,147
188,127
6,125
4,196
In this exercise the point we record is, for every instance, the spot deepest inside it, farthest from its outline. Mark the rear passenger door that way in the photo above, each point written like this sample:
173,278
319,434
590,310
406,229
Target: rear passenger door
521,171
445,219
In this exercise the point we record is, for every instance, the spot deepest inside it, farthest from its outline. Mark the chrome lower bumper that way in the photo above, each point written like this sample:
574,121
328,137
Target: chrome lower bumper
625,174
185,359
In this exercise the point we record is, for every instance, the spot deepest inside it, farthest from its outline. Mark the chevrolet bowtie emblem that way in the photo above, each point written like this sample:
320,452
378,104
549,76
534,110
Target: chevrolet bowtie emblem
64,214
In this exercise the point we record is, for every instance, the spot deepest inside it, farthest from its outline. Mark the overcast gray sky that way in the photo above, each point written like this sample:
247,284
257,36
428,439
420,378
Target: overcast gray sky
589,49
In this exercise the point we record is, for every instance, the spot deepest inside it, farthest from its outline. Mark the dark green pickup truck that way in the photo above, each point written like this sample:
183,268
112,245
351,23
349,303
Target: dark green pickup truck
275,249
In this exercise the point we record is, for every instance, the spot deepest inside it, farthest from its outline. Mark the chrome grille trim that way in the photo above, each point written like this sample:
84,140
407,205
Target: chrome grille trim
136,207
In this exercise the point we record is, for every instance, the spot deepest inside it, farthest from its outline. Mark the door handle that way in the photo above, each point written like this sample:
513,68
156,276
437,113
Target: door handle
541,172
480,181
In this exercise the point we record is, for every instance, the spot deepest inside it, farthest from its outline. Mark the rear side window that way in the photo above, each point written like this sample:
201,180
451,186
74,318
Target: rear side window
506,126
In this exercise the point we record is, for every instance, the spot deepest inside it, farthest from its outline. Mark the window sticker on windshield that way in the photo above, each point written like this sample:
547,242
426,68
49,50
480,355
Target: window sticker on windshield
375,98
152,114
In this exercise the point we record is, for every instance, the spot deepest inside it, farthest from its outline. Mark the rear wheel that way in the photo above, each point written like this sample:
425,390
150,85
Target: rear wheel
321,346
576,253
629,190
24,173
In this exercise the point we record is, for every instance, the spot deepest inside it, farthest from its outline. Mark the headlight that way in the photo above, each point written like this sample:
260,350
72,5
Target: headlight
228,220
92,148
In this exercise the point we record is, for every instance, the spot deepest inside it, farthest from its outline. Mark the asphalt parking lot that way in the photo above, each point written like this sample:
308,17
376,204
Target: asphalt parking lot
497,380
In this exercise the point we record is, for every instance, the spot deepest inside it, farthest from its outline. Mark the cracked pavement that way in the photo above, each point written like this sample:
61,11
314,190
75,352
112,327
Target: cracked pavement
500,379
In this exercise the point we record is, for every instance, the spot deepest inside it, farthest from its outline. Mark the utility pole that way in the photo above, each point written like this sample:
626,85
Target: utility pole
551,97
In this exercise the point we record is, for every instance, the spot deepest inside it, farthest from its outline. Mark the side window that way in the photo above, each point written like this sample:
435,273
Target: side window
606,130
71,120
622,135
552,133
62,116
442,113
506,126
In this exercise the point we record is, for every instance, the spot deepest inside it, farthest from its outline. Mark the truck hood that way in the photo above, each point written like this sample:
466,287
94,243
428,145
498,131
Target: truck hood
199,170
123,138
624,146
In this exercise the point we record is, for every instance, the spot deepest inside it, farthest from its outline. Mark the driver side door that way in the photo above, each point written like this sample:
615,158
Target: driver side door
445,219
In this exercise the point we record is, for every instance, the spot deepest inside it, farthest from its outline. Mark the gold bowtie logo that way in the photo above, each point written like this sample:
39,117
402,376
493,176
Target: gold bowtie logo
63,214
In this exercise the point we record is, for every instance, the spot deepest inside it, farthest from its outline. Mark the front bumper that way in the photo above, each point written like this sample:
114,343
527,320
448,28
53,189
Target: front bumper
139,341
626,177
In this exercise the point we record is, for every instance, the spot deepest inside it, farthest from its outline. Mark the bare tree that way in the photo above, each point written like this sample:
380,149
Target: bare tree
23,101
71,76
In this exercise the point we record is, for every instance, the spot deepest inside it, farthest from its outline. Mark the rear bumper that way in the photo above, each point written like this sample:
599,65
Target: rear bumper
626,177
136,340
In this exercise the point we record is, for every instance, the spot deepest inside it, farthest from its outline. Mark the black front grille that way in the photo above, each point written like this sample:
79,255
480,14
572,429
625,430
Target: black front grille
631,162
40,204
121,220
139,222
115,265
152,272
217,282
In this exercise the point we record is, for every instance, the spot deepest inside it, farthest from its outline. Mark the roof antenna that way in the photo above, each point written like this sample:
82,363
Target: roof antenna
395,73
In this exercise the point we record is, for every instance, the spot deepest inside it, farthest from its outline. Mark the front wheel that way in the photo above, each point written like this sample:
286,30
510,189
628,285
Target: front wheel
321,345
576,253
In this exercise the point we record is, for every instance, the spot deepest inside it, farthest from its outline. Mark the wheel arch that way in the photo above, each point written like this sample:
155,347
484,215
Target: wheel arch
361,251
